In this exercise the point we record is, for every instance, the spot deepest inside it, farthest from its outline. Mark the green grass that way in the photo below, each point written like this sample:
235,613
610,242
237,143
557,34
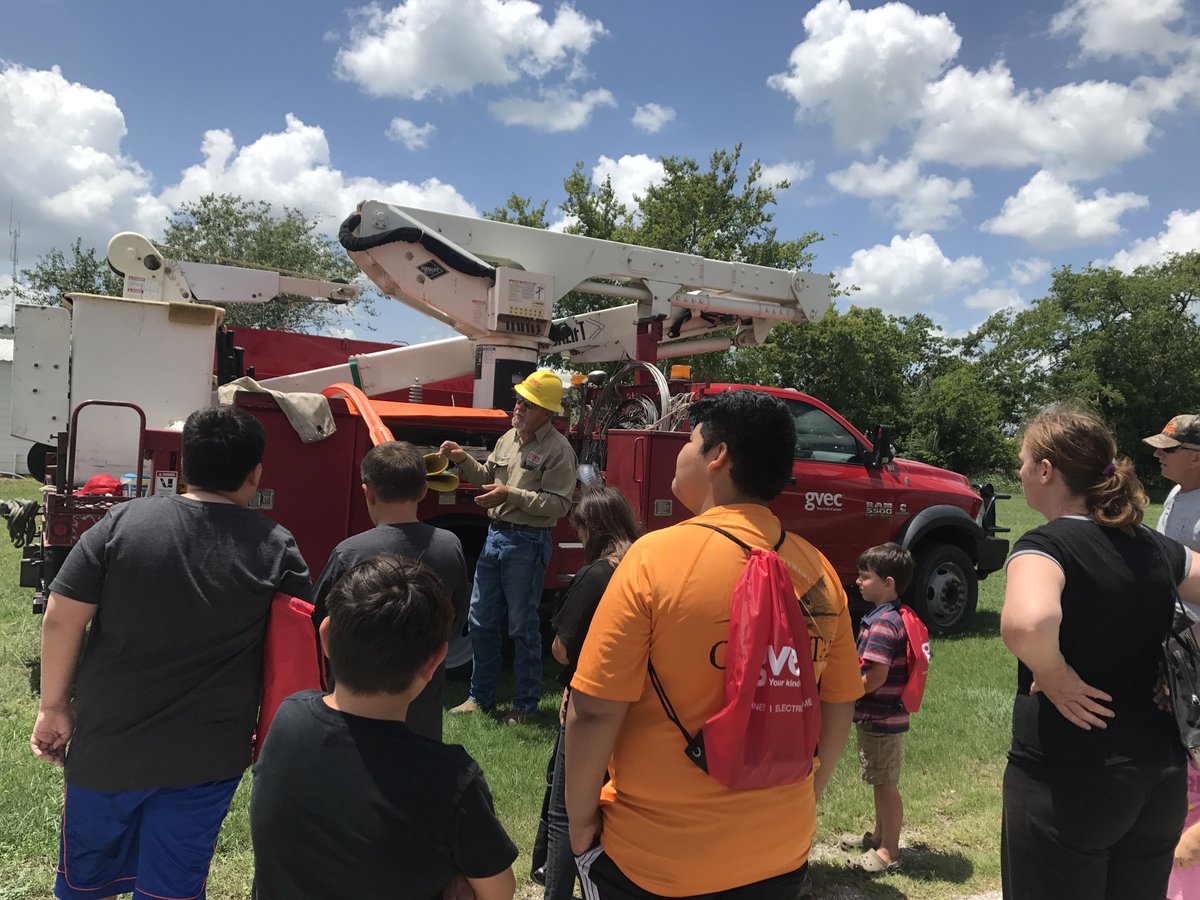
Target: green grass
953,759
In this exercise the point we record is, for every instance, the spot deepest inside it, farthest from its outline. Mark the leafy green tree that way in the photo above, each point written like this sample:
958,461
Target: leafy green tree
227,229
705,213
957,423
595,209
862,363
1124,345
57,273
520,211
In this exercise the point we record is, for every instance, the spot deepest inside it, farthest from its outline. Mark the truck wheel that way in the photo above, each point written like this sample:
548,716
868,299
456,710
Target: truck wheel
945,588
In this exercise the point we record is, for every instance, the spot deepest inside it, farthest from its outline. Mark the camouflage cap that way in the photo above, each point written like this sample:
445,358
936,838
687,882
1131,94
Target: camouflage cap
1181,431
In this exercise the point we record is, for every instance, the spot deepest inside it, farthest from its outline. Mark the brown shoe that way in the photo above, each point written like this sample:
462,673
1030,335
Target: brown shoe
470,705
519,717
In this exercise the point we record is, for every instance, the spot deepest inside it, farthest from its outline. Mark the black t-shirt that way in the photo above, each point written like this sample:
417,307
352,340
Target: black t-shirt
1116,609
171,677
572,621
437,548
343,806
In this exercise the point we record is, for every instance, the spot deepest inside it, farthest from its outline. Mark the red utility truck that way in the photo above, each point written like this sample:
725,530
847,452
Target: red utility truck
104,382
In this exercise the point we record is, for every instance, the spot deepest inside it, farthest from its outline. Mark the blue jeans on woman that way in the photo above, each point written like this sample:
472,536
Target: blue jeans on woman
506,594
560,861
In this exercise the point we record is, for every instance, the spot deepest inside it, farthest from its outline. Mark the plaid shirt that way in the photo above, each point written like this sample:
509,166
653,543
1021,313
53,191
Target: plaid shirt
882,639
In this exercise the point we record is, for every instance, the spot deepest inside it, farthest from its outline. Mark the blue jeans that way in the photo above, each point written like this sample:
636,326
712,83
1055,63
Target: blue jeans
506,594
560,861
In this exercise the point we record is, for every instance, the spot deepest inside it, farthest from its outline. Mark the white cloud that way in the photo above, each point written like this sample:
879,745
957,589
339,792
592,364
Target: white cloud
560,225
80,183
410,134
292,168
652,117
865,70
559,109
1181,235
1051,214
921,203
792,172
61,161
1029,270
423,47
992,299
1076,130
1108,28
630,175
910,274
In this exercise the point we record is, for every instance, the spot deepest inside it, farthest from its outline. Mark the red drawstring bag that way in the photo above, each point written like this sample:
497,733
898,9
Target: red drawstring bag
292,659
766,733
917,656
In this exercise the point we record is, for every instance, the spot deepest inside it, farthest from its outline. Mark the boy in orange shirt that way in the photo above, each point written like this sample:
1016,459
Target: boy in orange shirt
670,829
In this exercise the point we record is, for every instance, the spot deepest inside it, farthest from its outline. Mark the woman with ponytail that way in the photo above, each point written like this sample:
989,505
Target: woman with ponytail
607,526
1095,788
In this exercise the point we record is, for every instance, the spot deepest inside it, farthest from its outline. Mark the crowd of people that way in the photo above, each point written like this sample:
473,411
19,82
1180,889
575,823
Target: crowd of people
355,795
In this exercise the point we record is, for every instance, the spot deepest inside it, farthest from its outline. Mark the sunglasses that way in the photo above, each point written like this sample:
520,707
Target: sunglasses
1177,447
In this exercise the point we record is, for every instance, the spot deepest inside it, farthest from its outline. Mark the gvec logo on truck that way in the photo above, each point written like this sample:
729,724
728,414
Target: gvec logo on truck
817,500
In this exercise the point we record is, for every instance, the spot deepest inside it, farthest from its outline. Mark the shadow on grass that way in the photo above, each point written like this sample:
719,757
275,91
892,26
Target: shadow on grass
985,624
925,863
920,862
834,879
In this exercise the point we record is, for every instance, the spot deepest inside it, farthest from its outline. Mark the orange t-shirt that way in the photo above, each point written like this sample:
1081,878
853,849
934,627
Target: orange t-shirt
671,828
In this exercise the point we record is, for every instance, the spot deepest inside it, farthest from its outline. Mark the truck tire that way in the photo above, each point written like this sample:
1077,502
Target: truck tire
945,588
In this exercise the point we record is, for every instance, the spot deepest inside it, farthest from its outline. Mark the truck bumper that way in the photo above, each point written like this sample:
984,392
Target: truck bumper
993,551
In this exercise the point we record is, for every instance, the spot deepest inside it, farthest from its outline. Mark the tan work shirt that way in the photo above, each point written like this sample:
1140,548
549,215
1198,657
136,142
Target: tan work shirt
540,475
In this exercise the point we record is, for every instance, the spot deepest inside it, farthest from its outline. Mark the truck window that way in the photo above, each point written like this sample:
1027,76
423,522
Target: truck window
820,437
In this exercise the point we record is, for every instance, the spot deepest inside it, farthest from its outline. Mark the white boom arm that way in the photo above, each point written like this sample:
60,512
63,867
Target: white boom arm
151,276
497,283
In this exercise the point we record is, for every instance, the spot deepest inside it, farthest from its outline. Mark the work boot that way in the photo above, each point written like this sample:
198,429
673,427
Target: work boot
470,705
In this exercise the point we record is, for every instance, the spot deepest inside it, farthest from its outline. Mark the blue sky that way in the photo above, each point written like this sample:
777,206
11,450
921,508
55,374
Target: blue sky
953,154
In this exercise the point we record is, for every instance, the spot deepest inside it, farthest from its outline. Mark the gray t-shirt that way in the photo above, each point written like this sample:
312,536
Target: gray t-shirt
168,690
437,548
1180,518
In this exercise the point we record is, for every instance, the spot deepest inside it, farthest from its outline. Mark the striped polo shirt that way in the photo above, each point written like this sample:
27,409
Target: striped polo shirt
882,639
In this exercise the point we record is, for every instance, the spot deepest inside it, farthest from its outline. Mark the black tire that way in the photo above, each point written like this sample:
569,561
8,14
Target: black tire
945,588
35,461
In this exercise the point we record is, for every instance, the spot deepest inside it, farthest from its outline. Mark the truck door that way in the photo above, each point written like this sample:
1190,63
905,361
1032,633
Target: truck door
836,501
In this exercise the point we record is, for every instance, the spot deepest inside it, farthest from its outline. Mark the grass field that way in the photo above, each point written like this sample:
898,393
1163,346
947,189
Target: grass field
953,760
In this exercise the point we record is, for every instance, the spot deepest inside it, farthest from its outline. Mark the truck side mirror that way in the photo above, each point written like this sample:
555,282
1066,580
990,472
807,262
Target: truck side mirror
882,452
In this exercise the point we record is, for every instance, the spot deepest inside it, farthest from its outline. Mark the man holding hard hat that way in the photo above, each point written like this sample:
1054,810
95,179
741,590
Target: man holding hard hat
528,481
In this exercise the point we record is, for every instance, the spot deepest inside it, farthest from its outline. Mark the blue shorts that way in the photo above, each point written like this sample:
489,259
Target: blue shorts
156,843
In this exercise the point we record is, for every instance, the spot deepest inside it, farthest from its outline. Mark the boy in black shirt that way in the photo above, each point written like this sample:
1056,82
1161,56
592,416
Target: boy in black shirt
347,801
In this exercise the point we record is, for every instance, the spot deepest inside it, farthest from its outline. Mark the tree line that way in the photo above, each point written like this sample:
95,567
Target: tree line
1126,345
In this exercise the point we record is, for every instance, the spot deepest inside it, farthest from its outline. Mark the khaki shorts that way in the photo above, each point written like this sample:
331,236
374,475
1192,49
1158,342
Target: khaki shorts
879,756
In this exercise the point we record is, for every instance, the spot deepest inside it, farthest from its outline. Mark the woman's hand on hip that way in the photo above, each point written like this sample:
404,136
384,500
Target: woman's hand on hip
1077,701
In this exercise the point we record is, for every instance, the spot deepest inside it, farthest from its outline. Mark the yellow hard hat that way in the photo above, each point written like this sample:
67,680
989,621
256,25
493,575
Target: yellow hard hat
543,389
436,476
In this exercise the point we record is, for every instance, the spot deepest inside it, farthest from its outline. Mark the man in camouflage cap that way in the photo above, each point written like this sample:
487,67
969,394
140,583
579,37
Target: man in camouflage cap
1177,449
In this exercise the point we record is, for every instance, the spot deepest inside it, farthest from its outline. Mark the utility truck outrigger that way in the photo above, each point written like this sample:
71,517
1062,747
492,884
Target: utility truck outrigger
101,381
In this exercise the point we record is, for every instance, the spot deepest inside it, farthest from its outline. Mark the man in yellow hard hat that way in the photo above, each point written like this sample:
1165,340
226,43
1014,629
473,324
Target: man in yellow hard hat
528,481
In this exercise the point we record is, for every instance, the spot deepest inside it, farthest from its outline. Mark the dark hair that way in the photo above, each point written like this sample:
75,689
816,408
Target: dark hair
888,560
760,434
221,447
1083,451
610,522
395,471
387,617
